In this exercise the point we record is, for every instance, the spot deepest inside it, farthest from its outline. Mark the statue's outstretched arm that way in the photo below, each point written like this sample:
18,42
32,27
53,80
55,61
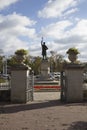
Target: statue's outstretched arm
42,41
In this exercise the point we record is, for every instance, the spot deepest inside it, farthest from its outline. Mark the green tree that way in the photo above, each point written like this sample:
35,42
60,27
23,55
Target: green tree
12,60
1,60
1,63
56,61
35,64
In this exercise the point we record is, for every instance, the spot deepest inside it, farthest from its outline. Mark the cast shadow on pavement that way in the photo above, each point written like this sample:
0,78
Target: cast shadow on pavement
13,108
80,125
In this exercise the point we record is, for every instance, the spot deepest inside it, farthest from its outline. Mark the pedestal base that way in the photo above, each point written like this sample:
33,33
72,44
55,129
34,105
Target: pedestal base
45,70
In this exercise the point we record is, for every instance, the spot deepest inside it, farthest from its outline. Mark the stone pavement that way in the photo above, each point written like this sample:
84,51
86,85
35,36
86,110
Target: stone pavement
46,96
46,112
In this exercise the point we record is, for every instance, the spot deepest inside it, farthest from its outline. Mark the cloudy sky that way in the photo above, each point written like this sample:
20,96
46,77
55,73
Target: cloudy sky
62,24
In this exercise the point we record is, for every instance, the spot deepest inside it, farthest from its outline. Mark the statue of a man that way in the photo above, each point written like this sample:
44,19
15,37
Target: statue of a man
44,49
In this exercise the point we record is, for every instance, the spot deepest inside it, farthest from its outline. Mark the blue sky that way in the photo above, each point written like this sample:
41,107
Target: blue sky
62,23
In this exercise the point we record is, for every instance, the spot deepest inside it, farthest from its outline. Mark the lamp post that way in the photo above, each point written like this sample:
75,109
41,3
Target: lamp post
4,65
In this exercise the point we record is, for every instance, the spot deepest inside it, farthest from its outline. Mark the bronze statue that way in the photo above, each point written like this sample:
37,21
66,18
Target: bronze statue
44,49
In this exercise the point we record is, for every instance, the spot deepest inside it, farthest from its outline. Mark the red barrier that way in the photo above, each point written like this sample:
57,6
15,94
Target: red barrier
48,87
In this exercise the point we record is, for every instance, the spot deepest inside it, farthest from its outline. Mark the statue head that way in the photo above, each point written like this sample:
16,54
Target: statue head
44,43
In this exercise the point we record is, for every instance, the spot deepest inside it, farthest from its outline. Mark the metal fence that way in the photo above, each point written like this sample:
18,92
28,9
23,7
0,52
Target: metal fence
30,88
63,86
5,90
6,85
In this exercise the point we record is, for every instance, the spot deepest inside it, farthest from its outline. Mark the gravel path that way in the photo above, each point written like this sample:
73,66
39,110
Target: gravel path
46,112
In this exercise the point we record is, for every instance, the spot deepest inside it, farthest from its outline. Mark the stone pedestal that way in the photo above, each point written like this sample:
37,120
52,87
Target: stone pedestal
19,84
74,83
45,69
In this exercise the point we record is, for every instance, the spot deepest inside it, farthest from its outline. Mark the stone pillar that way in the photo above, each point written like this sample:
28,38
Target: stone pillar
74,83
19,77
45,69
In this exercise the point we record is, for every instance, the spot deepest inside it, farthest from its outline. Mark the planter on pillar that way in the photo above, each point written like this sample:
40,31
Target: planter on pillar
72,54
20,86
74,78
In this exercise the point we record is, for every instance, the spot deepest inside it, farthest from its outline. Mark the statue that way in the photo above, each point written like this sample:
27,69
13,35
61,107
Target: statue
44,49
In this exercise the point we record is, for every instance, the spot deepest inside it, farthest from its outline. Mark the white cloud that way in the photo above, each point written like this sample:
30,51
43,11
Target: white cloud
6,3
56,30
56,8
13,27
66,34
16,30
14,20
81,28
61,35
69,12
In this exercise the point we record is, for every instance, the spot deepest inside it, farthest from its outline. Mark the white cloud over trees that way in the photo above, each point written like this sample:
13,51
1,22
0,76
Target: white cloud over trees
13,27
19,31
56,8
6,3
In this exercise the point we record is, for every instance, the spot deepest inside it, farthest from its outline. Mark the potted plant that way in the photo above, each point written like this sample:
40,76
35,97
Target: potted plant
72,54
20,55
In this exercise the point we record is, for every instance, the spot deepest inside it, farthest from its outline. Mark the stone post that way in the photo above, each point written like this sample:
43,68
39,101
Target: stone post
45,69
74,83
19,84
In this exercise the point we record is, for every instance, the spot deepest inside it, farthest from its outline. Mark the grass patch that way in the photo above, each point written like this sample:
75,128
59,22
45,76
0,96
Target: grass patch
2,80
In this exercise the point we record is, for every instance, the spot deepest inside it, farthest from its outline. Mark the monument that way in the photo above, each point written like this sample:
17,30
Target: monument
44,80
45,69
44,49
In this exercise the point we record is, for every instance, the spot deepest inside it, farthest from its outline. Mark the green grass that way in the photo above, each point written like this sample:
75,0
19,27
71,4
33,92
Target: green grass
2,80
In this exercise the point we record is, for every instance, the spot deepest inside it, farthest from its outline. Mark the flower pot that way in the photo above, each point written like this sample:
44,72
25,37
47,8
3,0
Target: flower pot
20,59
72,57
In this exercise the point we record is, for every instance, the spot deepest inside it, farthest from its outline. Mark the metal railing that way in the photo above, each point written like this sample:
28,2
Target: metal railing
63,86
6,85
30,87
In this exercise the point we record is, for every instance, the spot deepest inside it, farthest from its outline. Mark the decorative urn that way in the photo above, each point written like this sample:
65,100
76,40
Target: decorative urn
72,54
20,56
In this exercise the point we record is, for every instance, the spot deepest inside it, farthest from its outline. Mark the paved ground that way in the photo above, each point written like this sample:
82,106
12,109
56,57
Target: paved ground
46,112
46,96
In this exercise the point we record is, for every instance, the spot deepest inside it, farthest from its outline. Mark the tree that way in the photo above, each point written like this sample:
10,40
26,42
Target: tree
59,62
12,60
56,61
1,60
35,64
1,63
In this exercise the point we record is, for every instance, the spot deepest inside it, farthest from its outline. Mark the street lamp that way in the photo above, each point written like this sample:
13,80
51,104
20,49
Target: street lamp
4,65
